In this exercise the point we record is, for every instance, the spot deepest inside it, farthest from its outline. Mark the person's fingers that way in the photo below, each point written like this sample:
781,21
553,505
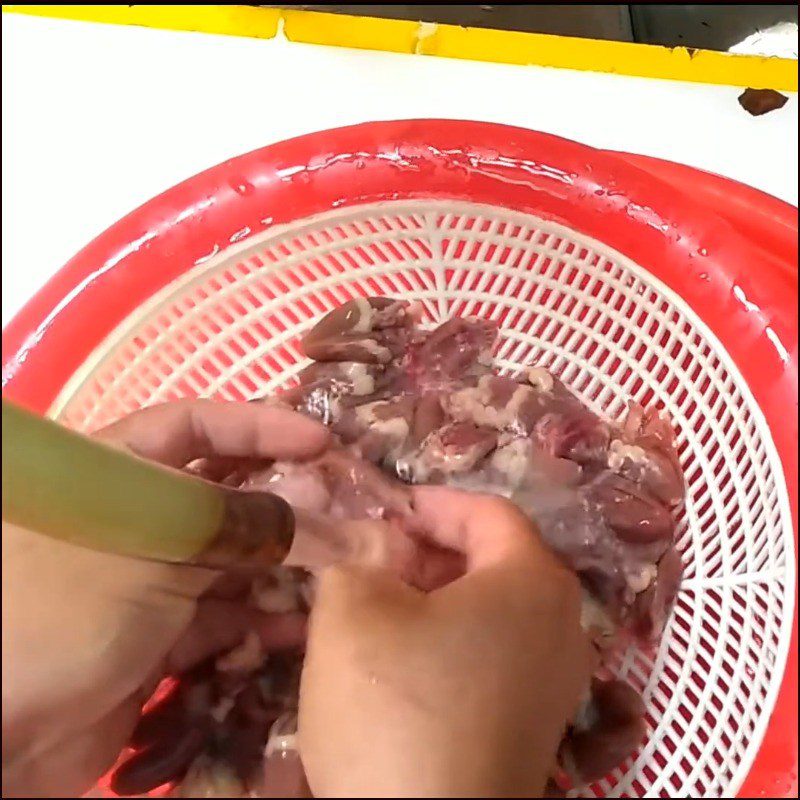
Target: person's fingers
284,776
220,625
486,529
177,433
352,599
281,631
433,567
230,586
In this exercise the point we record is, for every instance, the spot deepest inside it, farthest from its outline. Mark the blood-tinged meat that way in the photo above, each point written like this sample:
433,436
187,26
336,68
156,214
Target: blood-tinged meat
337,484
375,523
538,406
451,354
372,330
415,406
169,737
211,731
652,606
602,495
609,728
455,448
645,453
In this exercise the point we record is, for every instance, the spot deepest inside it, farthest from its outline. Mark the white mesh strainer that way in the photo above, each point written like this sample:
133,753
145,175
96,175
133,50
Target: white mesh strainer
229,326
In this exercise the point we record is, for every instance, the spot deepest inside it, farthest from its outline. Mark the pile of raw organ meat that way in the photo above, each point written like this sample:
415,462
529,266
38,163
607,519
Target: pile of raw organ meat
416,406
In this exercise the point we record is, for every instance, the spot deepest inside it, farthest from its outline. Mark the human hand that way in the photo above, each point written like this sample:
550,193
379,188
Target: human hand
87,636
462,692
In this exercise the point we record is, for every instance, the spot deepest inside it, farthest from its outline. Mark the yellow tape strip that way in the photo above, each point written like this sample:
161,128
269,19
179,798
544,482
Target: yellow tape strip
478,44
254,22
646,61
340,30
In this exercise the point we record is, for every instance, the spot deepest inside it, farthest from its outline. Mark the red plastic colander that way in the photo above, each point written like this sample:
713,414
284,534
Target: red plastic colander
628,276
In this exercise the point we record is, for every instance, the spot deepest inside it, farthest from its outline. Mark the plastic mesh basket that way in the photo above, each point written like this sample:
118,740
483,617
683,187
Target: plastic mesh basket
527,231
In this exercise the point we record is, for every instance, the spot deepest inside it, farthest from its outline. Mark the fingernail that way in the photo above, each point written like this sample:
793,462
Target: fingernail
257,530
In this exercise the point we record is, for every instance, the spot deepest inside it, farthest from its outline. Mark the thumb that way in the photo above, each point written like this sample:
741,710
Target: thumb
485,528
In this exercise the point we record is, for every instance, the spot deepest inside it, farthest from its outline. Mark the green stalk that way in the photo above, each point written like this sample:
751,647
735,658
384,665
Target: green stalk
74,488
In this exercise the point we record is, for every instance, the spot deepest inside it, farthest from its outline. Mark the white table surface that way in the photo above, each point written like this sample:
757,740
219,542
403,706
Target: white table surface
99,118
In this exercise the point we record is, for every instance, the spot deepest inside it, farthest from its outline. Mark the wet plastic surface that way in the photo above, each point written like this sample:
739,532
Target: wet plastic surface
716,267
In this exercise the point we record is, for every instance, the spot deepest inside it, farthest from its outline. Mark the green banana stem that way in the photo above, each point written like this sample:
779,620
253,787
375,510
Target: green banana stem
76,489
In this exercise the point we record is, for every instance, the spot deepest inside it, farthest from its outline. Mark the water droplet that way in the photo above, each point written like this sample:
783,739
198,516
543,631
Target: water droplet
758,641
599,192
207,256
239,235
739,294
242,187
702,252
267,221
703,276
750,672
360,164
